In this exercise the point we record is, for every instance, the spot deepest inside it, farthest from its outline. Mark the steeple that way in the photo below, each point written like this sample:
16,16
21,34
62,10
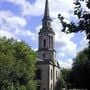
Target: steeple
46,22
46,12
46,64
46,49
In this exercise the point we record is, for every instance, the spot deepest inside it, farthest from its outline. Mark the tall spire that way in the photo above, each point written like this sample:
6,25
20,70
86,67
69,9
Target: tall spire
46,12
46,22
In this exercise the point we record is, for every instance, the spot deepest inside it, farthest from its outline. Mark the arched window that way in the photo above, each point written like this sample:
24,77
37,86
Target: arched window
51,74
56,75
38,74
44,43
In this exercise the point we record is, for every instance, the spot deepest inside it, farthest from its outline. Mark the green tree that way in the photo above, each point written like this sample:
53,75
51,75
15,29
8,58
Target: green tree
80,73
83,19
17,65
79,76
65,76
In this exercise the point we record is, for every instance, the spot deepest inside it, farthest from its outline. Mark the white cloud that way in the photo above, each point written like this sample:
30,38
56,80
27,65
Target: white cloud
37,8
26,33
27,8
83,43
66,63
14,26
61,54
11,20
6,33
63,42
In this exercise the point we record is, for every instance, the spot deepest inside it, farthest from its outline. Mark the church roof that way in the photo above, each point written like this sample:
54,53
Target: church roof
41,61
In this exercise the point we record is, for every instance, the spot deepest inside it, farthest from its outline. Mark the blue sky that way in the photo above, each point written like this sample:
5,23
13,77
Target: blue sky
22,19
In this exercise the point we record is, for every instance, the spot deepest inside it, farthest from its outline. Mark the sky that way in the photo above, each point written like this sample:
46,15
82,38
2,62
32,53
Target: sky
22,20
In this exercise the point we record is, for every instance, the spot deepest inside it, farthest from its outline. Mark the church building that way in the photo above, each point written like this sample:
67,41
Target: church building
48,69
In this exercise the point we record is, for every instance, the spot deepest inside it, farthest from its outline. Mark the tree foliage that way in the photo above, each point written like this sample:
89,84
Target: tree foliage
65,77
17,65
79,76
83,19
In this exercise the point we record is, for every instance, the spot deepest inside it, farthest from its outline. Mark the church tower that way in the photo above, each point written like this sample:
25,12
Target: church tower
46,37
48,69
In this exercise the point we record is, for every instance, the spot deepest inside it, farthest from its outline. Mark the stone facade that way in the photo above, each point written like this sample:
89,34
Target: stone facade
50,74
47,65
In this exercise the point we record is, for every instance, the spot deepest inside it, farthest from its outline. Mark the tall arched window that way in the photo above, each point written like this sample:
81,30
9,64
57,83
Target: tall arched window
44,43
56,75
51,74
